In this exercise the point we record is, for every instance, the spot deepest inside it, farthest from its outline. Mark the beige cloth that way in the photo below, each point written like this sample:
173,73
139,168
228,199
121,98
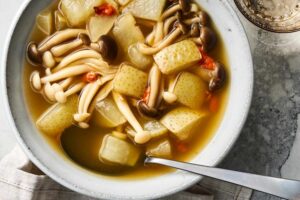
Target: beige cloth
20,179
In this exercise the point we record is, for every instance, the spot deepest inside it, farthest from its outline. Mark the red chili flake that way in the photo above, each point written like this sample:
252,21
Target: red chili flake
206,62
105,9
90,77
181,147
146,95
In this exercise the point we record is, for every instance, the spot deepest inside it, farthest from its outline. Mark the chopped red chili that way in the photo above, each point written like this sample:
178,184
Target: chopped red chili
105,9
206,62
90,77
146,95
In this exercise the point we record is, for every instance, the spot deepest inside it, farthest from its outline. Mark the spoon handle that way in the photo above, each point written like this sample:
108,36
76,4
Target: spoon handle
284,188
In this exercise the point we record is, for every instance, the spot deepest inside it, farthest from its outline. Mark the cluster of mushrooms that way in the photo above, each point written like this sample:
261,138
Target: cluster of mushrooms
67,55
179,21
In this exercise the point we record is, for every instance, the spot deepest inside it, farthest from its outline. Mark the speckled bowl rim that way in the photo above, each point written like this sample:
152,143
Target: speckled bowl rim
188,179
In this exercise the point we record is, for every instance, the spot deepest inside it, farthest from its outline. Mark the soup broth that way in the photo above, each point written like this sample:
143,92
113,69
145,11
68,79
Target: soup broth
82,144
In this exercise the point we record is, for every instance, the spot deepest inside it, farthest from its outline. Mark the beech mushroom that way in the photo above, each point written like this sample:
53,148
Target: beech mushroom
34,56
167,24
64,48
179,28
218,77
48,60
35,81
140,136
62,96
149,105
207,38
77,55
180,5
107,47
66,72
86,98
159,34
58,38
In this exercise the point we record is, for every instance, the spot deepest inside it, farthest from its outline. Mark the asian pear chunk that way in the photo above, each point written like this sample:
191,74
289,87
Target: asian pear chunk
161,148
58,117
107,114
130,81
177,57
182,122
145,9
118,151
190,90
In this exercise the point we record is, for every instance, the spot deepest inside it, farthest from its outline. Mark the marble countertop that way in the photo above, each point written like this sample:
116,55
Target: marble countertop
269,143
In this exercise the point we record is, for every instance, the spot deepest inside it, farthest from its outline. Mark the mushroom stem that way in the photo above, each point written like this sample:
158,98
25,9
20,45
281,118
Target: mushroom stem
159,33
85,53
144,49
75,88
61,49
102,94
170,11
67,72
154,83
191,20
150,38
66,83
98,65
126,111
167,24
59,37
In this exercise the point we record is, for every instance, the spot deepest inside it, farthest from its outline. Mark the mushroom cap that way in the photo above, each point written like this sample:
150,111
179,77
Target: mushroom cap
204,18
84,38
218,77
34,57
108,48
208,38
185,6
145,110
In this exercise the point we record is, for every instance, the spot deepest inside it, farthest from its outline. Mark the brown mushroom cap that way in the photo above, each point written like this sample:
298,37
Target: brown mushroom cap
34,57
185,5
208,38
145,110
84,38
108,48
203,17
218,77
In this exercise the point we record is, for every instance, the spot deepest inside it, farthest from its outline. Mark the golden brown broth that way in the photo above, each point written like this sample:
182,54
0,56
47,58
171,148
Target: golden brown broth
82,145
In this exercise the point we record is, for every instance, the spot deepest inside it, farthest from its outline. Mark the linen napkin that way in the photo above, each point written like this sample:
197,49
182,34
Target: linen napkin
20,179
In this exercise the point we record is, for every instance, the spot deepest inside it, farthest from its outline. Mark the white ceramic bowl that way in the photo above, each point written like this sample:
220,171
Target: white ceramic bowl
80,180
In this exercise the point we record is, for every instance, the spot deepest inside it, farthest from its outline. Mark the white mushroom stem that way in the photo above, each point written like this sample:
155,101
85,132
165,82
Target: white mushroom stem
62,96
197,40
192,20
170,11
35,81
98,65
159,33
168,23
150,38
67,72
50,91
59,37
81,54
154,83
141,136
87,98
62,49
144,49
66,83
102,94
48,60
169,97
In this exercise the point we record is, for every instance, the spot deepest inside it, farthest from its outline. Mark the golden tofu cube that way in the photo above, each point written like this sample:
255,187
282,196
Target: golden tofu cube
130,81
58,117
117,151
182,122
190,90
177,57
155,128
145,9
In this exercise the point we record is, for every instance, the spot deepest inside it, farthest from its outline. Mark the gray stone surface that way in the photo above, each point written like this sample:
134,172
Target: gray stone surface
266,140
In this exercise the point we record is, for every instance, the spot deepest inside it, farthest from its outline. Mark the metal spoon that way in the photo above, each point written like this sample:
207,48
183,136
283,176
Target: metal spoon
284,188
